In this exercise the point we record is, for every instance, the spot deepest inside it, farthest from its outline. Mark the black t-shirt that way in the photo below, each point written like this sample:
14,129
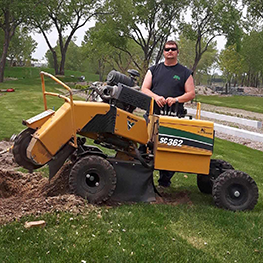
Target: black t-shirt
168,81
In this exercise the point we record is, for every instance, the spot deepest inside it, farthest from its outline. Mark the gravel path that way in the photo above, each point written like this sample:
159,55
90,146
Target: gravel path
237,113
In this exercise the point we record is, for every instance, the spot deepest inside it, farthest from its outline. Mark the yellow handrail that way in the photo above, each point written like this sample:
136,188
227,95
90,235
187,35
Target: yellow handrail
198,111
151,107
69,100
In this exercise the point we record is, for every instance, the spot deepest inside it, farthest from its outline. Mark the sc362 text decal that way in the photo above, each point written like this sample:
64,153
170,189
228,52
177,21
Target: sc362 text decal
171,141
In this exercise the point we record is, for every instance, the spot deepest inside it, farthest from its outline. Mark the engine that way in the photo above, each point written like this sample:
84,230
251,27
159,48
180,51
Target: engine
122,91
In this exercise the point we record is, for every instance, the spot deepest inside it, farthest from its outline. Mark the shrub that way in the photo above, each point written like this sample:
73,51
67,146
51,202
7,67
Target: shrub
81,87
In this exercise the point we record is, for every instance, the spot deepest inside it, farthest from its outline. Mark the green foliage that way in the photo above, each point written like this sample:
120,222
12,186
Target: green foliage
103,56
12,14
81,87
208,20
187,57
231,62
254,9
74,58
63,15
147,23
21,47
244,65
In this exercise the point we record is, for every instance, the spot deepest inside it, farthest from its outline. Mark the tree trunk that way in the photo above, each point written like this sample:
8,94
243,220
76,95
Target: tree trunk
55,59
197,59
62,62
101,70
11,61
144,69
4,55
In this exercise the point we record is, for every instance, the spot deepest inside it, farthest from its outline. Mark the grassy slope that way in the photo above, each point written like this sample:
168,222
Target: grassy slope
27,100
248,103
29,73
141,232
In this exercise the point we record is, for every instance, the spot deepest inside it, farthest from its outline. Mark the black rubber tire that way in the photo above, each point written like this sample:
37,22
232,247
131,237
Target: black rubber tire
235,190
217,167
19,150
204,183
100,171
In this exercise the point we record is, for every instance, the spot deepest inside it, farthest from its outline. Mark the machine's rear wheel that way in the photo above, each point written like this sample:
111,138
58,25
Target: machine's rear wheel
235,190
217,167
19,150
93,178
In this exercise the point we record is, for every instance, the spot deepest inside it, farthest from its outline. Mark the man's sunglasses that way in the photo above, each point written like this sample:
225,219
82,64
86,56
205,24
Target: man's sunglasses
170,48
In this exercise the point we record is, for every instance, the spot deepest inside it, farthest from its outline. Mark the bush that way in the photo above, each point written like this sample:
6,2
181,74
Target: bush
81,87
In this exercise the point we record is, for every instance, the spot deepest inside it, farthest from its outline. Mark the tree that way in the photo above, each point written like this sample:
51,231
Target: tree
187,57
254,8
21,47
63,15
252,53
231,63
104,55
12,14
148,23
74,59
244,66
209,19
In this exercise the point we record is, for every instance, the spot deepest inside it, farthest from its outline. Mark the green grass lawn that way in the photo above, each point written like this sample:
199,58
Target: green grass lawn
31,72
196,232
249,103
149,232
27,100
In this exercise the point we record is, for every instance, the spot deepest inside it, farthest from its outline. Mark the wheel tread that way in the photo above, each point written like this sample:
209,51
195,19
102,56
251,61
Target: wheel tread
19,152
99,161
234,174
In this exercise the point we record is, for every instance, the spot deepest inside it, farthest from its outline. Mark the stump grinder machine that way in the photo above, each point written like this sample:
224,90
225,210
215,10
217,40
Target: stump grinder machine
174,142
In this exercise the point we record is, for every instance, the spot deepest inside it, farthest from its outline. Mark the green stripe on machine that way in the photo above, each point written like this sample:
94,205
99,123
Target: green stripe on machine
184,134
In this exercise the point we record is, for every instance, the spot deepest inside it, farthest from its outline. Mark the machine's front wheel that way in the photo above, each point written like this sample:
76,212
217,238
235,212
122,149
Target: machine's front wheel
19,150
235,190
93,178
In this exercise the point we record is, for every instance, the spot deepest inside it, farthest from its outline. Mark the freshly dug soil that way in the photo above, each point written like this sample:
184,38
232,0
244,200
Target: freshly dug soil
30,193
24,194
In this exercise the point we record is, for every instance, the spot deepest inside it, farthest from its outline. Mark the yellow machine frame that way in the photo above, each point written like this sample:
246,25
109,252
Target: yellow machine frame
177,142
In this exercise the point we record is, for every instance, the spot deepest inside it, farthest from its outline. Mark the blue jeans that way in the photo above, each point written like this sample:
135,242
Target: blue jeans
165,178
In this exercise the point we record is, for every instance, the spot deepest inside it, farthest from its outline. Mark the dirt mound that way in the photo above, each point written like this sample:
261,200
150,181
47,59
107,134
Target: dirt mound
24,194
6,159
253,91
202,90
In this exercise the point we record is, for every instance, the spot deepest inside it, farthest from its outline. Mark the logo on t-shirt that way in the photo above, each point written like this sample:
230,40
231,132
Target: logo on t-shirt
176,77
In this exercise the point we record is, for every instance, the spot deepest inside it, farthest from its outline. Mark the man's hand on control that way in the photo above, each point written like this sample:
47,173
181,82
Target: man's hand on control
160,100
170,101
